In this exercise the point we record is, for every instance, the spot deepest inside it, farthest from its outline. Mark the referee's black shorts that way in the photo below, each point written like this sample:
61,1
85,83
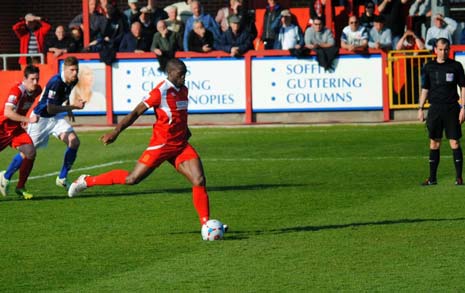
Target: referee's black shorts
444,117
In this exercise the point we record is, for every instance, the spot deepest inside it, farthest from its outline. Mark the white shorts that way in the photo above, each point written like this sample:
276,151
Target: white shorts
40,131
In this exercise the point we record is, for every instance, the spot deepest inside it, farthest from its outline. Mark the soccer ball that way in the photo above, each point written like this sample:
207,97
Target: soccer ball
212,230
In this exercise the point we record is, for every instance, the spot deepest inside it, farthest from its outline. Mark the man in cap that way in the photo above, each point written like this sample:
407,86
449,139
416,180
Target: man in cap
235,40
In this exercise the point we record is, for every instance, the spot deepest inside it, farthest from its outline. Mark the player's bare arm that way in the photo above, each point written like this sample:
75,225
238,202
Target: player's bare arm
127,121
462,105
12,115
421,104
55,109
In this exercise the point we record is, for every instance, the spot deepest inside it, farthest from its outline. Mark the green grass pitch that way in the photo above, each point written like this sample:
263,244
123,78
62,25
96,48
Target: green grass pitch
310,208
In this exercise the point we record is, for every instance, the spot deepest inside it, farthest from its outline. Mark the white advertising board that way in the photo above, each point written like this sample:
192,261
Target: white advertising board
215,85
283,84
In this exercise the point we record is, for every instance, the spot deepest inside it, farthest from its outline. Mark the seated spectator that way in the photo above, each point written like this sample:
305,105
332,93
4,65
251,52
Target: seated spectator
200,39
290,36
321,40
134,40
184,10
410,41
116,27
148,27
368,17
207,21
224,13
172,22
132,13
271,21
354,37
31,32
418,12
444,27
157,13
380,37
97,22
165,44
59,43
76,44
235,40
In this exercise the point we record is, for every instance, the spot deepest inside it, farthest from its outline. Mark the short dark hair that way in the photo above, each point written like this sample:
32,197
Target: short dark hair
30,69
175,63
70,61
442,41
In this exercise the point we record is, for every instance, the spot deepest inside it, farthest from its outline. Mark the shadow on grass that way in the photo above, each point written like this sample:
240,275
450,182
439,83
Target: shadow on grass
238,235
178,191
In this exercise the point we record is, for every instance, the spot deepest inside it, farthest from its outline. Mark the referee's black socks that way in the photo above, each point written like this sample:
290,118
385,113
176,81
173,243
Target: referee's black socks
433,164
458,161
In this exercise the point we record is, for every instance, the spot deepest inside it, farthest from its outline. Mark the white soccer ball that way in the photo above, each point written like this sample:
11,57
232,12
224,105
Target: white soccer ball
212,230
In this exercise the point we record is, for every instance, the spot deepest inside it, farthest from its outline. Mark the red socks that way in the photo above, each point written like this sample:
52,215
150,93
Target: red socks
200,200
109,178
24,171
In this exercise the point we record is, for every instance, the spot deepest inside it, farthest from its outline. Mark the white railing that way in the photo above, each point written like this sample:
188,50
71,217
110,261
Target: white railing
6,56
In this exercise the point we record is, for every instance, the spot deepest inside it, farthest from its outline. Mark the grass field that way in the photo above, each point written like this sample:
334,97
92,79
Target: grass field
310,208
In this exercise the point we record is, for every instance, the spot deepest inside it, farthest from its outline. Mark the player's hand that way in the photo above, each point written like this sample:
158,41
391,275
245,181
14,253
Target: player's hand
421,115
33,119
462,115
108,138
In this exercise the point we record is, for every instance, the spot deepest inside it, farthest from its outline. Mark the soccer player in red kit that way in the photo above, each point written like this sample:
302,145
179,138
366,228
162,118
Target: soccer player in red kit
169,141
13,111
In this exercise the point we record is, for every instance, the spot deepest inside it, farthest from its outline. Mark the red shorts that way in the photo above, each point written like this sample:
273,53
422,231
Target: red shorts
14,139
153,156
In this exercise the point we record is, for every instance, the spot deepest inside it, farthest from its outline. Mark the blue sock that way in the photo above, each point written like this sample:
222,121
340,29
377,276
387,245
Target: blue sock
70,157
14,166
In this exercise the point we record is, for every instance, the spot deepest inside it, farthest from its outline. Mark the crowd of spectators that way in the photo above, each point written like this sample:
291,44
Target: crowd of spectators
185,26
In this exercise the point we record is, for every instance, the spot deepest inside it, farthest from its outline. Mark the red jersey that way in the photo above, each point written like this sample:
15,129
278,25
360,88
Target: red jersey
170,107
21,101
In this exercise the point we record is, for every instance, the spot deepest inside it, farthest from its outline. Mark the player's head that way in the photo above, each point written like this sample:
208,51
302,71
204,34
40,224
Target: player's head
31,78
176,71
441,48
70,69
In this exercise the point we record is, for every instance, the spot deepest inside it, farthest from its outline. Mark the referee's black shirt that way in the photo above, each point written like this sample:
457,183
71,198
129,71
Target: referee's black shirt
441,81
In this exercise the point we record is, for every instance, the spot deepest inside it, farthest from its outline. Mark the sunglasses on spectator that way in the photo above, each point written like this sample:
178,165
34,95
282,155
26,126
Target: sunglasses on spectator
317,23
353,22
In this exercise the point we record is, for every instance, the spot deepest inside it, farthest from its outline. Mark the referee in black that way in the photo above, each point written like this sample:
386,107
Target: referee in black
440,78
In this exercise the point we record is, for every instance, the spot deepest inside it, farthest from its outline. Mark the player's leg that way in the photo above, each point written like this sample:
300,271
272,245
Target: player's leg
71,140
435,127
189,164
23,143
454,133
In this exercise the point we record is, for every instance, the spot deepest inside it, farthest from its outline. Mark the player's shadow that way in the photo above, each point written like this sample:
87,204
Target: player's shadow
238,235
176,191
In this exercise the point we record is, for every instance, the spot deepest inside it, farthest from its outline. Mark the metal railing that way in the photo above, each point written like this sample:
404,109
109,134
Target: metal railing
6,56
404,77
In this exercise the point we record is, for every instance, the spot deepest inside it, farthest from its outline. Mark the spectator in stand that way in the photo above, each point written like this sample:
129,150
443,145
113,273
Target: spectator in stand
418,12
444,27
354,37
317,9
184,10
165,44
200,39
97,22
410,41
235,40
116,26
59,42
368,17
132,13
207,22
271,22
380,37
157,12
393,12
224,13
31,32
462,37
172,22
134,40
289,36
321,40
77,42
148,27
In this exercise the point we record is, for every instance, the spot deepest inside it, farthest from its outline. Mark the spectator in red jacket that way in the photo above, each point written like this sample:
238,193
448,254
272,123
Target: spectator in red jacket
31,32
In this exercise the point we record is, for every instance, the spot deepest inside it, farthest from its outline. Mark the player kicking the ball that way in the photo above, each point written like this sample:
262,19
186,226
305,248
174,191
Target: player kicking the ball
169,141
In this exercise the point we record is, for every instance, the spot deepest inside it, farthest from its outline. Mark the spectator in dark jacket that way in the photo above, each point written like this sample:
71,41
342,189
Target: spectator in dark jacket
134,41
165,44
59,43
200,39
271,22
235,40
